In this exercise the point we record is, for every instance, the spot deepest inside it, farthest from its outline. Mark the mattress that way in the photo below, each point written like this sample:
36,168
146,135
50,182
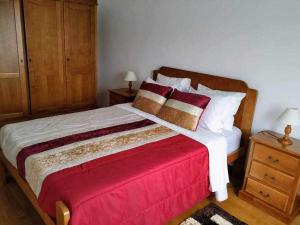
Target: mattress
233,139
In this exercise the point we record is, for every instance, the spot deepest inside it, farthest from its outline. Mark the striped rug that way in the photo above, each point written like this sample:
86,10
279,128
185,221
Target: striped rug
212,215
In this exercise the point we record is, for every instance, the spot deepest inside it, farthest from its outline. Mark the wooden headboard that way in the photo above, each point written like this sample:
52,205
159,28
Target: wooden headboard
244,117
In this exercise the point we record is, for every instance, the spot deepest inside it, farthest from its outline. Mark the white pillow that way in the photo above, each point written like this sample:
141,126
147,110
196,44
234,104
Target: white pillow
214,114
230,109
150,80
181,84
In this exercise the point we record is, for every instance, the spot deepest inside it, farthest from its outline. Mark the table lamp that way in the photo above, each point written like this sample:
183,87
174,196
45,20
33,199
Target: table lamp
130,77
290,117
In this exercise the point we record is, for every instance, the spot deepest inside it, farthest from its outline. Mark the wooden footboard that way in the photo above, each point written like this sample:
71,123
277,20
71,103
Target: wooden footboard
62,212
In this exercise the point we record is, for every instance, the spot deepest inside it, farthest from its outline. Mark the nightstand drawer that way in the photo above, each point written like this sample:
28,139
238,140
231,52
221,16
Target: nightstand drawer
267,194
275,158
271,176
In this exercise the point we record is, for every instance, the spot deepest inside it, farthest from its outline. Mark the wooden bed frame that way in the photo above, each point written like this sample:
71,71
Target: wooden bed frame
243,120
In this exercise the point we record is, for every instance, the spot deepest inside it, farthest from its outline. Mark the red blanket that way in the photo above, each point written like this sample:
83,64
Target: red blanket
148,184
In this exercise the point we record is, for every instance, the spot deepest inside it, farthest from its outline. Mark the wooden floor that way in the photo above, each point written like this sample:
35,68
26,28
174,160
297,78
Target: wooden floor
241,210
15,209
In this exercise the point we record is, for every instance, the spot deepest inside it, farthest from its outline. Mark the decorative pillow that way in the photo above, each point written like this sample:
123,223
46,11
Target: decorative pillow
182,84
184,109
230,109
151,97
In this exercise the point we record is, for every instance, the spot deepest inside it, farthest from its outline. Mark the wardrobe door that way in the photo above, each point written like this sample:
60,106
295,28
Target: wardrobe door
79,27
13,80
44,36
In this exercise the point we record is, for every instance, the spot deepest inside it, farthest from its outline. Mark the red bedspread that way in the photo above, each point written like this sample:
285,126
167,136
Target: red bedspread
135,173
148,185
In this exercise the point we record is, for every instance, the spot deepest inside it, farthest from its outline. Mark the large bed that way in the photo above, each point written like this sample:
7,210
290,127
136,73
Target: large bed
120,165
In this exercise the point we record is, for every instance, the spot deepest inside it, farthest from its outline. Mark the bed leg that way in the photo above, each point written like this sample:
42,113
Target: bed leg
62,213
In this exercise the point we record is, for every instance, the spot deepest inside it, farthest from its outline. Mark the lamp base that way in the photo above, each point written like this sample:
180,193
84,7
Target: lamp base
130,91
285,140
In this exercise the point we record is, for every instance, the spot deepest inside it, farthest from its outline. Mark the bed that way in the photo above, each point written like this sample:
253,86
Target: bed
147,167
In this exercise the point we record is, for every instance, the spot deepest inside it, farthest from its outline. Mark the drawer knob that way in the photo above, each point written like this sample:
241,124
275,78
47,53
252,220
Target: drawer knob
270,158
271,177
265,195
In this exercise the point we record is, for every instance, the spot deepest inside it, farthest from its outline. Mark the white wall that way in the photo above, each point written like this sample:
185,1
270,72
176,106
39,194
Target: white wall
257,41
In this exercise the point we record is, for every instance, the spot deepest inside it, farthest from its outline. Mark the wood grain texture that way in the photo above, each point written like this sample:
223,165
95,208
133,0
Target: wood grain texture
86,2
8,43
61,44
120,95
238,208
62,211
43,25
79,26
264,138
267,194
233,156
23,72
13,77
62,214
272,180
26,190
272,177
277,159
9,75
15,209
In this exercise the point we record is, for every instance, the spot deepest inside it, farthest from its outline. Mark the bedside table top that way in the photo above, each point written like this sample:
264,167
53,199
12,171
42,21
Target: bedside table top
270,138
123,92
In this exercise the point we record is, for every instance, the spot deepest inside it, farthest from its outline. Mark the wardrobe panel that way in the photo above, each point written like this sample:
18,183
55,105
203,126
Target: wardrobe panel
44,35
13,80
8,43
79,27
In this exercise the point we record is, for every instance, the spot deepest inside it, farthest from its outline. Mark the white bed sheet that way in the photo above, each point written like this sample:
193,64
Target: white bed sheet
233,139
216,144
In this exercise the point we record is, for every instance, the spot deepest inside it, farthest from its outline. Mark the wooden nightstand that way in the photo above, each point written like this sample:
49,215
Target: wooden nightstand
121,95
272,176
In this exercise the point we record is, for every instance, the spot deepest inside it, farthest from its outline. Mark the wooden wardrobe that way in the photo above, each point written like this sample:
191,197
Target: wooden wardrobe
60,72
14,101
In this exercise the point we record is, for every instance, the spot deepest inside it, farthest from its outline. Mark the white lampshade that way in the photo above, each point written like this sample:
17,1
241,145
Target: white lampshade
130,76
291,116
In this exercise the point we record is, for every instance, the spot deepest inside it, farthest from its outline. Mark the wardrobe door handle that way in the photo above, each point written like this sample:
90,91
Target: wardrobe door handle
29,60
68,59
